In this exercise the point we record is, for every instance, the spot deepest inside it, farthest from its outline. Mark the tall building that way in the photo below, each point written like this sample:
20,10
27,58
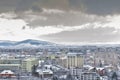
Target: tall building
75,60
27,64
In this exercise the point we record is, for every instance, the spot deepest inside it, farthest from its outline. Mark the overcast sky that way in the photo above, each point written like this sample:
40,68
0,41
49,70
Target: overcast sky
61,21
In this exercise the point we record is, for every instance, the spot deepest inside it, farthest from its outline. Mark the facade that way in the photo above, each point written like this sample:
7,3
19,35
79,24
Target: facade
75,60
76,72
10,61
27,64
60,60
10,64
90,76
13,67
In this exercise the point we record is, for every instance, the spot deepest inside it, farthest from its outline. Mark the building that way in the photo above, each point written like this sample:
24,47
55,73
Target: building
60,60
76,72
75,60
10,61
90,76
45,73
13,67
7,74
10,64
28,63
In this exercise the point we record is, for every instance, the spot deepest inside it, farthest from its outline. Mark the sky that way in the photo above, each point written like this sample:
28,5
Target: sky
61,21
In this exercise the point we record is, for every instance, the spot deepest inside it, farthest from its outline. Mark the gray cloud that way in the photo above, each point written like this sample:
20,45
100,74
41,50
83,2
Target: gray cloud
102,7
70,18
99,7
87,35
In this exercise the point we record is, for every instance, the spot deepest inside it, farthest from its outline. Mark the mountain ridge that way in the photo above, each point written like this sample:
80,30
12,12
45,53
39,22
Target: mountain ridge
27,41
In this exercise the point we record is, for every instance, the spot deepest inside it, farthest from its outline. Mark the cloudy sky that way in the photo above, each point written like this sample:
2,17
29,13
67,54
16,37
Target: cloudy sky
61,21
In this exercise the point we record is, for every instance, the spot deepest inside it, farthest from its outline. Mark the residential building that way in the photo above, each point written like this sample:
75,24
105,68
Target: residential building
90,76
75,60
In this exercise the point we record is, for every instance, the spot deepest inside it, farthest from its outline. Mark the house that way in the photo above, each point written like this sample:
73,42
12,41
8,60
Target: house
7,73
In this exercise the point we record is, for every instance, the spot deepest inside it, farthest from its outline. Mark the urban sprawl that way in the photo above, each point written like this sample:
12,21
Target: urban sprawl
61,63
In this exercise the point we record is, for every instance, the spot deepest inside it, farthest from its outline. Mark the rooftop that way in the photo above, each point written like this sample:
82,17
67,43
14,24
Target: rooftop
74,54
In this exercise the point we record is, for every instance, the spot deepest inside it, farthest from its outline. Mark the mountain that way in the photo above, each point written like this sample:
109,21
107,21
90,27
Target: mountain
26,43
7,43
34,42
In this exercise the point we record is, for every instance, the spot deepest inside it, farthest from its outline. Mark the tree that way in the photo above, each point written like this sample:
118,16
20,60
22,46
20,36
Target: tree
55,78
114,76
69,77
34,73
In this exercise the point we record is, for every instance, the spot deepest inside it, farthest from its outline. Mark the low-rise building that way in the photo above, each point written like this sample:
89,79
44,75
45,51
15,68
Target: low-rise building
90,76
7,74
13,67
10,64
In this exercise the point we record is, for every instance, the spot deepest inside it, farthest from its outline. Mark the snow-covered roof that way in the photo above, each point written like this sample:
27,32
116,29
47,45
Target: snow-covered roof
99,68
63,76
39,71
55,68
108,66
47,71
48,66
7,72
88,66
74,54
41,61
44,71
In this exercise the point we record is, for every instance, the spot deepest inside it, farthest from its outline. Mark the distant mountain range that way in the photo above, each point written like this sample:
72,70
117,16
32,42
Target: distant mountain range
26,43
31,43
